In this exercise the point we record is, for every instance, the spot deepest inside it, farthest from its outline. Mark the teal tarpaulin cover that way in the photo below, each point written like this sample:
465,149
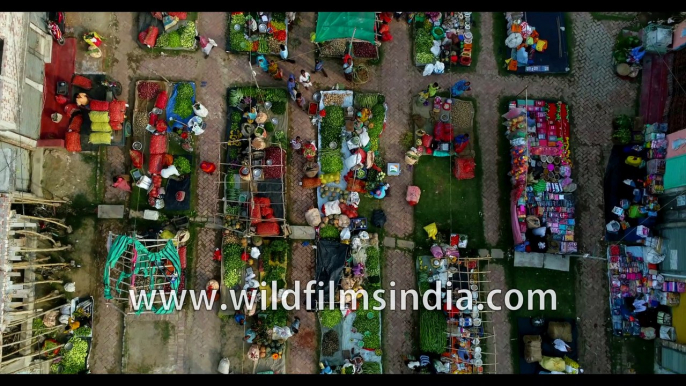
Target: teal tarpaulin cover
342,25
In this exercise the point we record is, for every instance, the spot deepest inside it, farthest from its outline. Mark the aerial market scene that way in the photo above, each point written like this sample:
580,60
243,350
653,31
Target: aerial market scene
342,192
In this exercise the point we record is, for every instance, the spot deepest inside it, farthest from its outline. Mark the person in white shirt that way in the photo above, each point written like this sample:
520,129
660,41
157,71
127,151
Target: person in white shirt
560,345
305,79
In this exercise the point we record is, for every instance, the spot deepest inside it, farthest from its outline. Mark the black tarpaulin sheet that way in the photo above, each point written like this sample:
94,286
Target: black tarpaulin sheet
524,327
615,189
273,189
145,20
547,27
331,257
173,187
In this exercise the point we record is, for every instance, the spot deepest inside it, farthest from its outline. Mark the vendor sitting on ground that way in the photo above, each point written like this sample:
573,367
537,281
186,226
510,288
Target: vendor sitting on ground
250,114
250,336
239,317
433,89
461,142
120,182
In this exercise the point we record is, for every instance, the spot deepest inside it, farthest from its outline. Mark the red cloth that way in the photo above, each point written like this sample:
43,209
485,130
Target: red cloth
70,109
460,148
161,101
82,82
151,36
208,167
182,257
204,41
61,99
464,168
180,15
217,255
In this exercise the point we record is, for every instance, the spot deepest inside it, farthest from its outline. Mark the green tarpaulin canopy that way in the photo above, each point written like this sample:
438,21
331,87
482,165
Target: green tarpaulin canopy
341,25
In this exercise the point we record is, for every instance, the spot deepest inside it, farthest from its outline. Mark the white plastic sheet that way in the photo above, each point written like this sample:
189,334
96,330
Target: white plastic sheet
428,70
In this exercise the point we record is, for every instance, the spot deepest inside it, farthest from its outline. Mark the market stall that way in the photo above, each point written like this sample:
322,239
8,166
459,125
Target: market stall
443,40
75,354
166,121
260,32
351,338
542,199
457,334
337,31
540,340
167,30
634,179
255,166
536,43
94,114
150,265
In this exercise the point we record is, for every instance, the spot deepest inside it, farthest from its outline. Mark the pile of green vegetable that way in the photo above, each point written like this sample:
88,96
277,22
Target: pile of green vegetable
363,324
184,37
183,165
329,232
330,318
279,107
74,360
263,94
371,368
275,273
233,265
376,122
278,317
366,100
432,326
278,251
236,37
332,125
184,100
331,161
84,331
373,264
423,41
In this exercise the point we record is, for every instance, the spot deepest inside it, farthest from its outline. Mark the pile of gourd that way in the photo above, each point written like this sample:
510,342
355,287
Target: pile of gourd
333,193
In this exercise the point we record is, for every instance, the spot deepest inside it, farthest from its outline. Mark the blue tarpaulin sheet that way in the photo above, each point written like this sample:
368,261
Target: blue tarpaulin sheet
171,116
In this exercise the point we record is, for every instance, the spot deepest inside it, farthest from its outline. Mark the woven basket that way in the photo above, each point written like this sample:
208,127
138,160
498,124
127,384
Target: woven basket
311,169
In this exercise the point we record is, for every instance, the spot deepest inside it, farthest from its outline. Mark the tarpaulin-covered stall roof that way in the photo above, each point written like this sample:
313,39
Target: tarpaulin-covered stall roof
331,257
341,25
675,173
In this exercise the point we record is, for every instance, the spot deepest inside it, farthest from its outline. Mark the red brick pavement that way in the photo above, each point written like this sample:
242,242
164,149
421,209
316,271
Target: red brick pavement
203,346
303,348
498,320
400,327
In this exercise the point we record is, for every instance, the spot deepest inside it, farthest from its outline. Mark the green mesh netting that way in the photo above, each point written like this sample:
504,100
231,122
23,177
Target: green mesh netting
145,265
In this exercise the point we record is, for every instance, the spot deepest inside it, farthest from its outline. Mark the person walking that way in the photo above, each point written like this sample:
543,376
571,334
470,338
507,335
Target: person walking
208,167
262,62
291,86
206,44
297,145
300,101
284,54
120,182
348,67
319,67
305,79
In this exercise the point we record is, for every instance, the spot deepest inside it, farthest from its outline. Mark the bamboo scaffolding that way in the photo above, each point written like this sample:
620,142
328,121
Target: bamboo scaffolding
18,322
20,196
46,298
50,220
35,364
33,250
27,339
33,266
32,355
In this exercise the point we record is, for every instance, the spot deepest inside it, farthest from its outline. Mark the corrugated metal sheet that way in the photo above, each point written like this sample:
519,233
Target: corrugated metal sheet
674,360
675,172
675,260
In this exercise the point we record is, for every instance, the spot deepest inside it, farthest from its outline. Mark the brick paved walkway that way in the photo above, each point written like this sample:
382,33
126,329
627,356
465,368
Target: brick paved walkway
498,321
203,345
400,328
303,348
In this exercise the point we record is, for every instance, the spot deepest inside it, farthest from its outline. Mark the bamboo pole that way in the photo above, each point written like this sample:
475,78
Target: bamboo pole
17,322
33,355
49,330
30,266
50,220
45,299
66,247
37,235
43,282
20,195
